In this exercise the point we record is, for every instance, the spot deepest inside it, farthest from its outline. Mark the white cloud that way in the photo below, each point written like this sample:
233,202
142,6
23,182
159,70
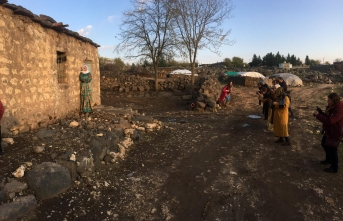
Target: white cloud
110,18
144,1
85,31
107,47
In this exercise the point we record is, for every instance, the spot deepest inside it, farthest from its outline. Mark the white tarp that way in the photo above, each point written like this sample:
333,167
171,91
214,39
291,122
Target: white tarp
290,79
182,71
251,74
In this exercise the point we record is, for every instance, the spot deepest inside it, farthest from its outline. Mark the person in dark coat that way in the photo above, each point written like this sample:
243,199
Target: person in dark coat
282,84
260,85
264,96
332,120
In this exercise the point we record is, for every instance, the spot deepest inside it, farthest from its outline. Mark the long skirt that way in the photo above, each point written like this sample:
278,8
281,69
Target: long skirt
85,98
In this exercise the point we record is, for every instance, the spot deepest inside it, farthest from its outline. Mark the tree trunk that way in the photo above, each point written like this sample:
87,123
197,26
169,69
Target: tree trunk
156,77
193,73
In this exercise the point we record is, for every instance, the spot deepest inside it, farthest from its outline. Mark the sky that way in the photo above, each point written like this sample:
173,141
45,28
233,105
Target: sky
299,27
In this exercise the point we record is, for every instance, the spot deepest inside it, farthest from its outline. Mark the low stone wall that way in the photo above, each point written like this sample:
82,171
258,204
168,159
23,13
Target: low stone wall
321,67
207,88
127,83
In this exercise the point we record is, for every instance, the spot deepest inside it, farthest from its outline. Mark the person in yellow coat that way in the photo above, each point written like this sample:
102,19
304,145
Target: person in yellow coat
280,120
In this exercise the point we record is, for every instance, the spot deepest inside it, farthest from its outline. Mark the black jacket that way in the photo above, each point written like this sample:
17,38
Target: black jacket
284,86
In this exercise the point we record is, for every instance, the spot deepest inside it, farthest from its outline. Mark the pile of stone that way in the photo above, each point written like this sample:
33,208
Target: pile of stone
206,96
85,145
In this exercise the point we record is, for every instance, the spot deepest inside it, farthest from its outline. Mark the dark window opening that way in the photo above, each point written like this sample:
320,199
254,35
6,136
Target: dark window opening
61,66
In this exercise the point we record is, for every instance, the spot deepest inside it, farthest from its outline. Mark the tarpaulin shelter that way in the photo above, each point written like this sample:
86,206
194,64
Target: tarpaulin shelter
231,73
251,74
245,74
290,79
182,71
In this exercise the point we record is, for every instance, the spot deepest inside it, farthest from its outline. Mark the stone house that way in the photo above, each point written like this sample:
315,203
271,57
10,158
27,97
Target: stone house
40,63
285,65
338,65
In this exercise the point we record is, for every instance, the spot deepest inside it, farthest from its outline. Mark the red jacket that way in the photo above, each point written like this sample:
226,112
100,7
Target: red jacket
333,122
2,110
224,93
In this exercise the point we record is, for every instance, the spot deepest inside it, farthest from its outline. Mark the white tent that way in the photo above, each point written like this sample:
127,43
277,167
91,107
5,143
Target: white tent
182,71
290,79
251,74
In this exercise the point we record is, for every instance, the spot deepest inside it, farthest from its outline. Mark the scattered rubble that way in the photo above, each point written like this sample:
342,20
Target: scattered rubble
84,144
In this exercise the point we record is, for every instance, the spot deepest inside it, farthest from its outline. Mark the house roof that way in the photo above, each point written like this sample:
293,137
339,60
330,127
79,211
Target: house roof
46,21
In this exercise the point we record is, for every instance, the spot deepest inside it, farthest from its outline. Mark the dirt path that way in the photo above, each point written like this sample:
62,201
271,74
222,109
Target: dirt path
211,166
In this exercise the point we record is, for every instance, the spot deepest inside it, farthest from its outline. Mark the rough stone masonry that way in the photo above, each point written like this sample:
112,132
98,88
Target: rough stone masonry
29,84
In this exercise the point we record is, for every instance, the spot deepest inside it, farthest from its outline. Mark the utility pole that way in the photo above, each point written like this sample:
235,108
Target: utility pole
323,60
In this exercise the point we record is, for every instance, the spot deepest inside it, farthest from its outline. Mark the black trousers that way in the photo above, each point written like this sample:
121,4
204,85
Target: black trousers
265,109
331,154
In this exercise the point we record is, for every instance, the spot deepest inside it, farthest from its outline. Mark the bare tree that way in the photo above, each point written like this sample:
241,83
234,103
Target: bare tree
198,26
145,31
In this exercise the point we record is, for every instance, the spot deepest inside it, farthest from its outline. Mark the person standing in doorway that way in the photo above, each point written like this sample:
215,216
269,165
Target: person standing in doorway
85,90
2,110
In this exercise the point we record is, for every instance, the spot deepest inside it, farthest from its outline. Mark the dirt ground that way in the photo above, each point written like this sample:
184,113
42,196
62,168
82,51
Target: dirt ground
208,166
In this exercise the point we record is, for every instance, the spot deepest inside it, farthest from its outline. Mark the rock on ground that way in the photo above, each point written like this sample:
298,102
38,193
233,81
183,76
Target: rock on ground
49,179
18,208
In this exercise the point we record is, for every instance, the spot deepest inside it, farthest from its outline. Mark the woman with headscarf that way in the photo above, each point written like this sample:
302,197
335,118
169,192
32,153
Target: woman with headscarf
280,119
332,120
85,90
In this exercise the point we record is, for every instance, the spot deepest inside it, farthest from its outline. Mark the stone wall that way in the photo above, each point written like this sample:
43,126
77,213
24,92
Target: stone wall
126,83
28,72
321,67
